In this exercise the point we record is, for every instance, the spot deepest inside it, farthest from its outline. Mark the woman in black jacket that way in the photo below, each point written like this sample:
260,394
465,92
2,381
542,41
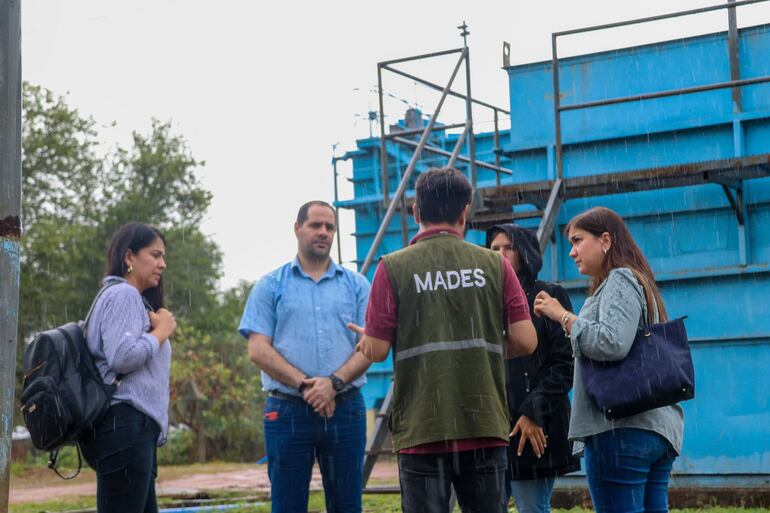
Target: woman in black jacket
537,385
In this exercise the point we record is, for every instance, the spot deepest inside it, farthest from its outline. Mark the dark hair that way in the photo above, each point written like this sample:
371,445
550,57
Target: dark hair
441,195
134,236
623,252
302,214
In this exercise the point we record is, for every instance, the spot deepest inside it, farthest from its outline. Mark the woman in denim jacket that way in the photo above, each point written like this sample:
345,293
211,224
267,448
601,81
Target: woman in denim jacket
627,461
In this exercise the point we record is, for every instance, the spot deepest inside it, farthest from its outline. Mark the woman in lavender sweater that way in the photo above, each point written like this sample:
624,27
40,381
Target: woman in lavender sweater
128,336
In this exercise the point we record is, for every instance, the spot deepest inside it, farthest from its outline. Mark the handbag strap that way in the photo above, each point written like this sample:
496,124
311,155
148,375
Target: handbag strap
645,311
645,307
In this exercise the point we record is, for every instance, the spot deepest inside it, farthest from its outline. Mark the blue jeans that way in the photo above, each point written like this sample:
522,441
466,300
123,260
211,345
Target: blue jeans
121,448
533,495
478,477
628,470
295,436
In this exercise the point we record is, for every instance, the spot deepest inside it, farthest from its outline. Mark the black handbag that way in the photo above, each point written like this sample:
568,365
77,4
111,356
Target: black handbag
657,371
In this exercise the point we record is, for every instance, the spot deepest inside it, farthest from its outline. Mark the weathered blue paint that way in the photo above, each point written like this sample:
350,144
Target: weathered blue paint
10,253
9,260
709,267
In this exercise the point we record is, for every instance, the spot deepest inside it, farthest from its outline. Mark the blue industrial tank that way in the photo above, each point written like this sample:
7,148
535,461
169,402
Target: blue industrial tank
707,235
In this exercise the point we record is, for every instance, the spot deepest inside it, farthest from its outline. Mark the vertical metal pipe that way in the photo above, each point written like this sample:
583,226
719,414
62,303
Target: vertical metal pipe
336,210
404,222
497,147
735,74
404,218
10,224
458,145
469,117
412,163
732,41
383,142
556,105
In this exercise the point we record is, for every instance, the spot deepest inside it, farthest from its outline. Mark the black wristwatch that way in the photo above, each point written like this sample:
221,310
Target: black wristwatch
337,383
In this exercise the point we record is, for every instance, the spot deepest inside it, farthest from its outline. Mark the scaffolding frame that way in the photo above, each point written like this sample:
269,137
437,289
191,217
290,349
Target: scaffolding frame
398,201
548,196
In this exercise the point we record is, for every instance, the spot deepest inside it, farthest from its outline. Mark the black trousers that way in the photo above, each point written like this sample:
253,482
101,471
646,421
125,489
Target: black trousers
122,451
478,477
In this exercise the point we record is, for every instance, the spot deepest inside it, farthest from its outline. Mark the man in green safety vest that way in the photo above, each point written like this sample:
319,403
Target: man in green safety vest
451,311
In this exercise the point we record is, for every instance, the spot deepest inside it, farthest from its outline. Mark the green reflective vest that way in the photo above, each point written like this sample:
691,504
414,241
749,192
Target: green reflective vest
449,379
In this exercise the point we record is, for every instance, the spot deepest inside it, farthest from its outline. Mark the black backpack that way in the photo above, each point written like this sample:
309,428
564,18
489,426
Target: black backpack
63,393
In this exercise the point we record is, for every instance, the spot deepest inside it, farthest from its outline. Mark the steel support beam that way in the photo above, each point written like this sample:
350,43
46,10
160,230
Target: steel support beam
497,147
736,201
469,115
421,56
551,214
458,146
404,221
419,131
659,17
336,210
408,173
670,92
726,171
461,158
383,142
732,44
10,225
379,434
556,107
439,88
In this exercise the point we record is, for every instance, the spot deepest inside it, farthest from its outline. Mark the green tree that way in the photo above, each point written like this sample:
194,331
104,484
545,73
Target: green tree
216,389
75,198
156,182
61,171
60,166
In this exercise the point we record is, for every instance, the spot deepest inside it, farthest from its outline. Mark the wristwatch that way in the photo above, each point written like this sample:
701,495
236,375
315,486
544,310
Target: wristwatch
337,383
302,386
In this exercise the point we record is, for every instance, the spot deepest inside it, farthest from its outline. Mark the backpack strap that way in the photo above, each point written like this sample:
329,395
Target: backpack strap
147,304
93,304
116,380
52,463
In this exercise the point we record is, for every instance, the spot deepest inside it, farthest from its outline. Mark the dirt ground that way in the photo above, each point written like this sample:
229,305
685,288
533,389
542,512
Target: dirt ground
174,481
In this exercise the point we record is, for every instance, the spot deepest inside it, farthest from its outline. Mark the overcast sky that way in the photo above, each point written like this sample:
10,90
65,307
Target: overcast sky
263,90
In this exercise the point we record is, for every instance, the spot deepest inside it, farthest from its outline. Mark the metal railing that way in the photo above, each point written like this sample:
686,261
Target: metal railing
736,83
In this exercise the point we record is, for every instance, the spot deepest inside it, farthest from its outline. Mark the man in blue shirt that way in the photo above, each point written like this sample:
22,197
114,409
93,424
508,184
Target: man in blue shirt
296,323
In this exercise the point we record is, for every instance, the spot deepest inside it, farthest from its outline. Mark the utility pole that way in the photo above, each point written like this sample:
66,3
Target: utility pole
10,224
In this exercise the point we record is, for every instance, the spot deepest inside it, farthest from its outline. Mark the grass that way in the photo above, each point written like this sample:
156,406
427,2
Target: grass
26,476
371,504
64,504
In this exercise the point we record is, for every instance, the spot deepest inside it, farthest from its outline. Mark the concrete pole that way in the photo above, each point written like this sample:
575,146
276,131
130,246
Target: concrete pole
10,224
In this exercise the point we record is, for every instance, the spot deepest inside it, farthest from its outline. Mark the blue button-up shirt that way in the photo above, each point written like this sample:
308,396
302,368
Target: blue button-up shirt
307,320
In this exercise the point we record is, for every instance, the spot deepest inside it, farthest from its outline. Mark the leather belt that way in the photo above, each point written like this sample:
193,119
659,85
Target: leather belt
340,397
